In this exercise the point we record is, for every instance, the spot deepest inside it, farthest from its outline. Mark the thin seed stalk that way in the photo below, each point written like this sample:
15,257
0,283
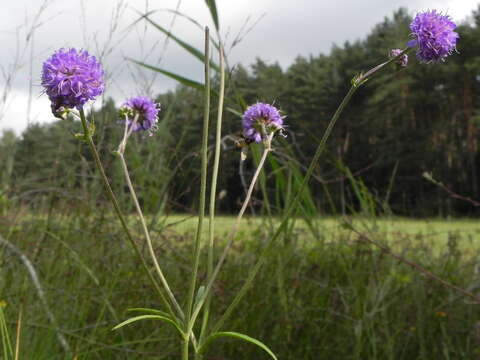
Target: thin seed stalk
118,212
203,190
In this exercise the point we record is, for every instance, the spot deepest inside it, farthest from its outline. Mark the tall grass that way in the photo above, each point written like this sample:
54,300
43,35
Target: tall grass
341,299
311,294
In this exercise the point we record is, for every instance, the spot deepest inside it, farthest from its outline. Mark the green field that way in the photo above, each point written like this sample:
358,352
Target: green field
322,295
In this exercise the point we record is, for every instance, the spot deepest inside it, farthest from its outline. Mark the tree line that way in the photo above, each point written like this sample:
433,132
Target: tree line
403,123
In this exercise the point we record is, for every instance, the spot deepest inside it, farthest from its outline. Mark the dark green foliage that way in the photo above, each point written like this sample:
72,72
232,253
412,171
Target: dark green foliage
423,118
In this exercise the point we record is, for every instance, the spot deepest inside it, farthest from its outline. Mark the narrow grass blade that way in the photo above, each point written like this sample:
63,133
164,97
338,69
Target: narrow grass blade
213,12
189,48
239,336
151,317
182,80
6,343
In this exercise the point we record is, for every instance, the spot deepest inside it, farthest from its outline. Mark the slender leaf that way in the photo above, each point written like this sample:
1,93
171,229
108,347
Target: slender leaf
153,317
239,336
213,12
195,52
5,336
194,22
150,311
182,80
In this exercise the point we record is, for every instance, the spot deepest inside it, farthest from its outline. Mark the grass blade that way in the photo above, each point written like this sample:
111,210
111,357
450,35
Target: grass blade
213,12
182,80
189,48
239,336
152,317
150,311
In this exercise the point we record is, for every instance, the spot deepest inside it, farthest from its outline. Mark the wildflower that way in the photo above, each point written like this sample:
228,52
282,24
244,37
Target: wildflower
433,35
259,120
71,78
142,113
402,60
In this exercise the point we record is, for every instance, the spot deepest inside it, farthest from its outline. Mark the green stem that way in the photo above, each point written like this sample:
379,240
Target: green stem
118,212
185,344
288,213
232,236
203,190
147,234
356,83
213,190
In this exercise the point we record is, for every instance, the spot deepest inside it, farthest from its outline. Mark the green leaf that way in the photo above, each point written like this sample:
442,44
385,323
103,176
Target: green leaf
150,311
193,21
182,80
200,295
195,52
240,336
213,12
233,111
153,317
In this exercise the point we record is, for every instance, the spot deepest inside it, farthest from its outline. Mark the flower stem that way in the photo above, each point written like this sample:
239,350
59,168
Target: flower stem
203,190
232,236
147,235
356,83
288,212
213,190
118,212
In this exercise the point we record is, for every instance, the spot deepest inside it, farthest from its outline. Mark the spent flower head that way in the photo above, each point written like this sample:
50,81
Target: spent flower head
259,120
71,78
142,113
402,60
433,35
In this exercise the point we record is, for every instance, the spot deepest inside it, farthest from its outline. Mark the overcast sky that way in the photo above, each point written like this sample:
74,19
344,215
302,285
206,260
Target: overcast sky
283,29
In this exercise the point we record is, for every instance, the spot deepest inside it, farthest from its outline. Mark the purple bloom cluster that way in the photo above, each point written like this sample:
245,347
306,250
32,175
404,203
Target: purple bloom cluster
402,60
146,111
258,116
434,35
71,78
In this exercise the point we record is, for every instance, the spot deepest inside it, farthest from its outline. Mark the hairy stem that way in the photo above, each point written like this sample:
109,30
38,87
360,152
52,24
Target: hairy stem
118,212
163,280
356,83
288,212
232,236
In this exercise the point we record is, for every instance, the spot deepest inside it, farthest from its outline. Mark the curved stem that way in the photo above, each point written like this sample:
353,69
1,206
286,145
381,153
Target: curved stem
40,292
118,212
147,235
356,83
288,213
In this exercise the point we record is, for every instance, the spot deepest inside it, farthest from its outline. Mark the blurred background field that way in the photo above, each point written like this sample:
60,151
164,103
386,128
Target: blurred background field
325,292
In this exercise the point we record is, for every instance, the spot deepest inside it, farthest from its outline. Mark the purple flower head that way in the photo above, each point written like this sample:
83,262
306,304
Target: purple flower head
260,116
144,109
433,35
71,78
402,60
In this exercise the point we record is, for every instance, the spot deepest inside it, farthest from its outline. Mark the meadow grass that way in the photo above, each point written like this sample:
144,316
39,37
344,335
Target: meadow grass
396,231
329,296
